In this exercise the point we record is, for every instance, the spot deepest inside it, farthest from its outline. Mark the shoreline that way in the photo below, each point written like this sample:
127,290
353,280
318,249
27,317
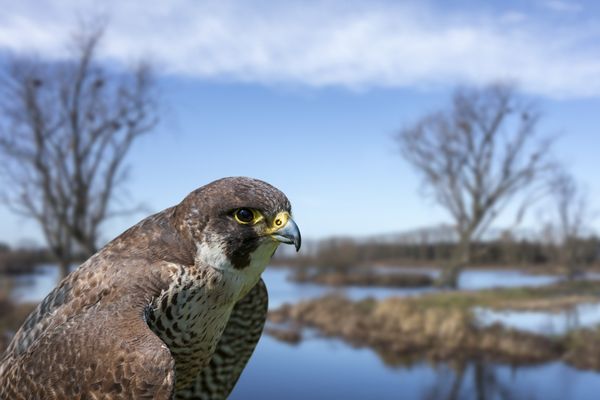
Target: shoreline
544,269
442,326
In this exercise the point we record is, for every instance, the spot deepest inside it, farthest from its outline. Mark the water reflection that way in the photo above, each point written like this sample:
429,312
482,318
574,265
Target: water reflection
329,369
551,323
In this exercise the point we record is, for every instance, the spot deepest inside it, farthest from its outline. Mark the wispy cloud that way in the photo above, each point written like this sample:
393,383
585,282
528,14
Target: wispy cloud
563,6
340,43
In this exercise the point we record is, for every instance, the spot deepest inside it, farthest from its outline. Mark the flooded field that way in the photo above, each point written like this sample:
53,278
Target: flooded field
326,368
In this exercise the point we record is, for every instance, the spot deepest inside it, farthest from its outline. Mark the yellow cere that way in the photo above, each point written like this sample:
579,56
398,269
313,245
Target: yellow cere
279,221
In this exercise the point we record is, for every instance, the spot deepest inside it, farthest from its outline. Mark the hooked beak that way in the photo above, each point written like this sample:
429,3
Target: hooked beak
289,234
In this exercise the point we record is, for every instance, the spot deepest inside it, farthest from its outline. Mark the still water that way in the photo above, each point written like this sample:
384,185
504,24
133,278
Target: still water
320,368
547,323
329,369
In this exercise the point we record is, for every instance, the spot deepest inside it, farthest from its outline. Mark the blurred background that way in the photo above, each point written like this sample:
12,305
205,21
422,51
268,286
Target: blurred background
441,159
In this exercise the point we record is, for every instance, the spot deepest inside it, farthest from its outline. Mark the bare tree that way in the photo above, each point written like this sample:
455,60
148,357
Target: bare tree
65,130
474,158
572,216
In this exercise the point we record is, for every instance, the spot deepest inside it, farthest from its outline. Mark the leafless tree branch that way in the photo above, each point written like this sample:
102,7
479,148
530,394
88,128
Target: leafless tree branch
475,158
572,218
65,131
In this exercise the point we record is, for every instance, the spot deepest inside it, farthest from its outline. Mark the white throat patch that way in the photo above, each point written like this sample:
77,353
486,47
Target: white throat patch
212,256
240,281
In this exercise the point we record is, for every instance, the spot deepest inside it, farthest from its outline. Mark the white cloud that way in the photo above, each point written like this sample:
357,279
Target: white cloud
342,43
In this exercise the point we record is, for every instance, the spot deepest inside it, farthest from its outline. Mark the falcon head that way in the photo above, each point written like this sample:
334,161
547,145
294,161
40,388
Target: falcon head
238,223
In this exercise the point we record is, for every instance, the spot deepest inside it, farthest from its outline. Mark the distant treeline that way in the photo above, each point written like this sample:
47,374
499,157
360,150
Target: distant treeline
21,261
343,253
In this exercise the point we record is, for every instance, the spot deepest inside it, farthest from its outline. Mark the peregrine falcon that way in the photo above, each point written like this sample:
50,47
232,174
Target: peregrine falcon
170,309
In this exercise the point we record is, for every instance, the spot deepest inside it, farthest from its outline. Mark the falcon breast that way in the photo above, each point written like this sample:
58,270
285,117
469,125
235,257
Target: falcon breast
172,308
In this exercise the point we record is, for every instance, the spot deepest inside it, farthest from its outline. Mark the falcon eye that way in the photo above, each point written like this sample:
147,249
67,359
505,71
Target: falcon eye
244,215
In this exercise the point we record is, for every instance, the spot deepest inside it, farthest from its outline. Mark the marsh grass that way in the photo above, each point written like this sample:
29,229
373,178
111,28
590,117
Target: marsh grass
442,326
553,298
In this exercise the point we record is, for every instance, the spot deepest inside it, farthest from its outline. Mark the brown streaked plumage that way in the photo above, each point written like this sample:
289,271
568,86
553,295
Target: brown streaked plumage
172,308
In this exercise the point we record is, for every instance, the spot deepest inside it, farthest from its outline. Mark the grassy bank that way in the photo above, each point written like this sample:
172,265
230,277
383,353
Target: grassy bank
556,297
442,326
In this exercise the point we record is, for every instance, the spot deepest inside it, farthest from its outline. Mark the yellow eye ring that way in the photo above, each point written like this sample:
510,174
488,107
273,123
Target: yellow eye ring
245,216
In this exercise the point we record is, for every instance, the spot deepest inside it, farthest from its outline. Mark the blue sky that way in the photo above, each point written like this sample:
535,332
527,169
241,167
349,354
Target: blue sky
307,95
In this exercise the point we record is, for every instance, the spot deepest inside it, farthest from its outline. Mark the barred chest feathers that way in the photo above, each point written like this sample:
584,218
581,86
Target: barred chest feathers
192,313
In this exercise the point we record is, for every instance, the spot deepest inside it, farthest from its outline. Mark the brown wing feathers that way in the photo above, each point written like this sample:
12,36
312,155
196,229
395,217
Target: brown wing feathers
89,338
